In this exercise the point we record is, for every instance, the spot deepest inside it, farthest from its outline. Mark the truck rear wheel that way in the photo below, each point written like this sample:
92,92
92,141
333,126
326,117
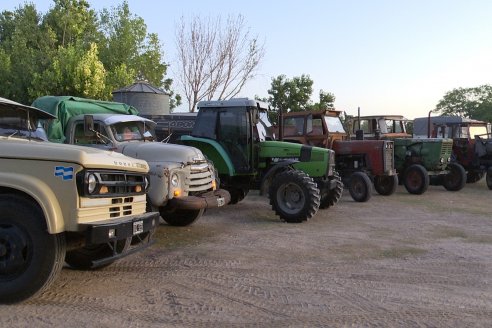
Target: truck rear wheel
82,258
456,178
386,184
294,196
331,197
360,187
30,257
416,179
488,178
180,217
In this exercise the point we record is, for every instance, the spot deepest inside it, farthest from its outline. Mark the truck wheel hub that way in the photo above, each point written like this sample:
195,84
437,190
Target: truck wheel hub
13,250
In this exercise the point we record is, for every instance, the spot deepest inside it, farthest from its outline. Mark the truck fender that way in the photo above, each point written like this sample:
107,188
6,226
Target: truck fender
41,193
272,171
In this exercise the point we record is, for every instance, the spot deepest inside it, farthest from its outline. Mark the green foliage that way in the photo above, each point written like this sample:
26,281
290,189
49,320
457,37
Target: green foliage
72,51
475,103
295,95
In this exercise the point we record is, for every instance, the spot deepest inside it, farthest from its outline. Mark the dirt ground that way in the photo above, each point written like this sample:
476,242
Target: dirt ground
397,261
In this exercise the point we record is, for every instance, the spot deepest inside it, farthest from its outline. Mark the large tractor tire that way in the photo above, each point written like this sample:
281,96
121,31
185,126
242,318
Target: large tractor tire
360,187
488,178
30,257
294,196
416,179
180,217
83,258
456,178
474,176
386,184
331,197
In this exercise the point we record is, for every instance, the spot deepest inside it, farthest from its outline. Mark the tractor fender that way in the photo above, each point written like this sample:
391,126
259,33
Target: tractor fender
273,171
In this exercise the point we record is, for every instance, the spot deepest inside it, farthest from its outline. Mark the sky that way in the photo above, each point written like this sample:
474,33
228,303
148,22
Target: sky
382,56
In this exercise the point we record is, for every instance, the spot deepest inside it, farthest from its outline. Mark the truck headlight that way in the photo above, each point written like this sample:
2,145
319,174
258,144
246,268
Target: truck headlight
91,183
174,180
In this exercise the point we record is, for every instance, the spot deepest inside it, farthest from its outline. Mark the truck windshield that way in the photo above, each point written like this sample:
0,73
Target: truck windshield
128,131
17,123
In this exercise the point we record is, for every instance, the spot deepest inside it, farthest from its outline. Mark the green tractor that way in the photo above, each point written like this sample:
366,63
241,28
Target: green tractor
238,137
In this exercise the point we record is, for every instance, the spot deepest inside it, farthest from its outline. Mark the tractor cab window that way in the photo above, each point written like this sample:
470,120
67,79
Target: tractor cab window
294,126
264,127
365,125
478,130
206,127
334,124
234,135
317,127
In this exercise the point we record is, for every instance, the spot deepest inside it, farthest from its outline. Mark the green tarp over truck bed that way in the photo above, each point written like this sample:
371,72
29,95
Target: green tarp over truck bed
65,107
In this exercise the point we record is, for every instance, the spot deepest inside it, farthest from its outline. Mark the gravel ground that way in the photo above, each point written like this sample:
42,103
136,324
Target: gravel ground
397,261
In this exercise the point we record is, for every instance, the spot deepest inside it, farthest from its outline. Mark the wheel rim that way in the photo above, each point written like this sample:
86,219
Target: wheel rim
414,180
358,187
290,198
15,250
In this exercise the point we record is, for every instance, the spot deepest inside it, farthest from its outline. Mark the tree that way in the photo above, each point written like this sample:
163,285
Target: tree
71,51
326,101
475,103
215,61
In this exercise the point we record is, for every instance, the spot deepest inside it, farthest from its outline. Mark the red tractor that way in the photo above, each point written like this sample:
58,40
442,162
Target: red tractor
361,163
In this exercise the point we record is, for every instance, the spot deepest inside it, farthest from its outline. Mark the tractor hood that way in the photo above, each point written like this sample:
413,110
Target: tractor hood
85,156
162,152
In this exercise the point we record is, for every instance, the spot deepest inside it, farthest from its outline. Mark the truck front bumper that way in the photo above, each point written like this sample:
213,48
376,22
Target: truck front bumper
216,198
121,228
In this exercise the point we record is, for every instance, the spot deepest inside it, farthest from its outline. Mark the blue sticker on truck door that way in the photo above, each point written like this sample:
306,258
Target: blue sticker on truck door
66,173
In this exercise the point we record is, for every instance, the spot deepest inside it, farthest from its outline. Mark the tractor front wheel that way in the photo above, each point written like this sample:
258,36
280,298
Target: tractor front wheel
456,178
386,184
488,178
331,197
360,187
294,196
416,179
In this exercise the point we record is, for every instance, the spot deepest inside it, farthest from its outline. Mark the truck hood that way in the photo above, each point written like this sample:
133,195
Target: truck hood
162,152
84,156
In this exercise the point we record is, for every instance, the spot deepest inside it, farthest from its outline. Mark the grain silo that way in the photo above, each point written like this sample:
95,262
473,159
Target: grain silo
147,99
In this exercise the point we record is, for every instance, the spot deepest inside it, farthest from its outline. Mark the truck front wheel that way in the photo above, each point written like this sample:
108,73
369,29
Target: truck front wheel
416,179
294,196
30,257
456,178
180,217
360,187
386,184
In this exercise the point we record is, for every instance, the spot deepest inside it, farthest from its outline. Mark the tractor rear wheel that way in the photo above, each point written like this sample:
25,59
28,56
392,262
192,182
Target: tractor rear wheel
489,178
416,179
386,184
456,178
294,196
360,187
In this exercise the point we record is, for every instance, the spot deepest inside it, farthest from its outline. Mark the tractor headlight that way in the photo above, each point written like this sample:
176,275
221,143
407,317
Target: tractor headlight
91,183
441,160
174,180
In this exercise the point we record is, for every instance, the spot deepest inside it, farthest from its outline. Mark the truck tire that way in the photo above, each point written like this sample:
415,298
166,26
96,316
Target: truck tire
386,184
360,187
456,178
294,196
30,257
331,197
488,178
416,179
180,217
237,194
82,258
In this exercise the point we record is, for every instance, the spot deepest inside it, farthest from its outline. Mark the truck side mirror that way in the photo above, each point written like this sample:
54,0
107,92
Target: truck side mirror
88,125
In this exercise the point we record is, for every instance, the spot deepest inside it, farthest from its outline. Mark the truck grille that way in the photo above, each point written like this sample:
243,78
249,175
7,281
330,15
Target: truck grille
111,183
200,178
389,158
